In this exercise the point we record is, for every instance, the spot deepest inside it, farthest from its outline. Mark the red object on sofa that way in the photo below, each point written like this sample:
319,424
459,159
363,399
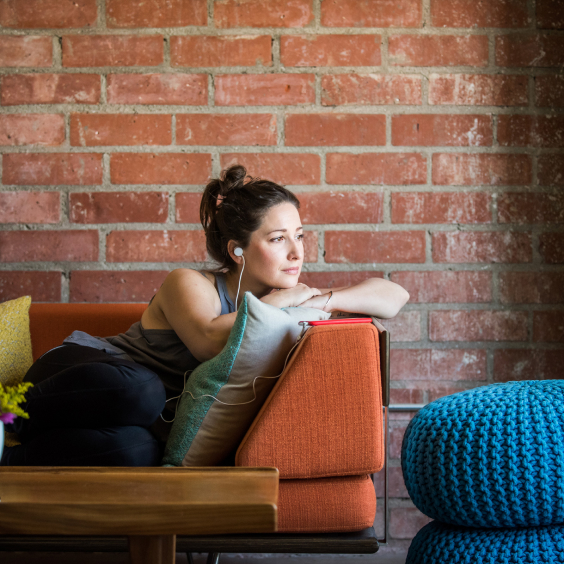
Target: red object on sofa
321,426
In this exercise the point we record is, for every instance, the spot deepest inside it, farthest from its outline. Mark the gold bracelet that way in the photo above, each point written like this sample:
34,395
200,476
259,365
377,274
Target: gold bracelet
328,299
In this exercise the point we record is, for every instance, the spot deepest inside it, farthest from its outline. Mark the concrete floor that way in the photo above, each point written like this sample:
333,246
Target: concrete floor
384,557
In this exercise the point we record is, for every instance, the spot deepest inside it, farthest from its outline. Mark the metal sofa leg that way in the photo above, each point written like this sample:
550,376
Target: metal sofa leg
213,558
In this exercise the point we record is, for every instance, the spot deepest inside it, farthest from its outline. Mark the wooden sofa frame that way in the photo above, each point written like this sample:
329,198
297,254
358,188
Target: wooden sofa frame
361,542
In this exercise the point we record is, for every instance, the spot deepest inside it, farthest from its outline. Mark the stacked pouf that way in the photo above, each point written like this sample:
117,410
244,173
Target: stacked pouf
488,465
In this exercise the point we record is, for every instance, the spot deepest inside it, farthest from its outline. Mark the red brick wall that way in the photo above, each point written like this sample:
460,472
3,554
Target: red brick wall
424,138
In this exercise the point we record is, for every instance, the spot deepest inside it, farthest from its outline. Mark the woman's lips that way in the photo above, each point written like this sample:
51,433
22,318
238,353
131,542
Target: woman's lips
291,270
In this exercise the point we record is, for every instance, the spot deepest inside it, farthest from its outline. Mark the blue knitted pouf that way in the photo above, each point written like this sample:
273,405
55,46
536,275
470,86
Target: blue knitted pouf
489,457
437,543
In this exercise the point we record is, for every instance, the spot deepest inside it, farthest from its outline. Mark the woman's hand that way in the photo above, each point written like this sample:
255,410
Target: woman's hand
291,297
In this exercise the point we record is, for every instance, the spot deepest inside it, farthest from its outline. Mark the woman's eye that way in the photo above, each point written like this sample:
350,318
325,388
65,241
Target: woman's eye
300,236
277,238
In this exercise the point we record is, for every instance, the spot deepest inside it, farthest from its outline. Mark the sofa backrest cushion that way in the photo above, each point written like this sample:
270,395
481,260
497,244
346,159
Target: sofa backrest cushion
51,323
324,416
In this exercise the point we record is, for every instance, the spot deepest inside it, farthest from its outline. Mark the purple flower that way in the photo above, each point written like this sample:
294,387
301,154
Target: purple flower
7,417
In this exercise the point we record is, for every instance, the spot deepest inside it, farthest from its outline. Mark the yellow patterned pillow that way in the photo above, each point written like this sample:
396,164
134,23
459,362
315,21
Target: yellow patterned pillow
15,341
15,346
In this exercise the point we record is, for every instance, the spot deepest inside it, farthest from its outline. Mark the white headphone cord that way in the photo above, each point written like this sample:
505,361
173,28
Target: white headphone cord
239,287
232,404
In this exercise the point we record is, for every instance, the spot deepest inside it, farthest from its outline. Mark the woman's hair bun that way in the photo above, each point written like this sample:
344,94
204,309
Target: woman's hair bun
233,206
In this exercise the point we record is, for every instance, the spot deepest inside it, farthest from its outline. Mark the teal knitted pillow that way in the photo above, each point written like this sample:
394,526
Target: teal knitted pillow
224,394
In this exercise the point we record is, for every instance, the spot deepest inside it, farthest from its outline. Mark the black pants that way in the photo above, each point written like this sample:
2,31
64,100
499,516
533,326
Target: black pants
87,408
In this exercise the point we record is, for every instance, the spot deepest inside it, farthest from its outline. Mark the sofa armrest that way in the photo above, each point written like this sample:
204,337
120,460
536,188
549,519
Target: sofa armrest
324,416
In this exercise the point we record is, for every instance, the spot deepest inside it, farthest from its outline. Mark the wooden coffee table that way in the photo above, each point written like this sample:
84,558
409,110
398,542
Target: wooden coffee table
149,505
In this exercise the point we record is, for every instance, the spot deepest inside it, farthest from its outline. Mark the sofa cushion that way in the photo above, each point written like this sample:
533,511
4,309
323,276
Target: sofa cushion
51,323
327,505
223,395
324,417
15,341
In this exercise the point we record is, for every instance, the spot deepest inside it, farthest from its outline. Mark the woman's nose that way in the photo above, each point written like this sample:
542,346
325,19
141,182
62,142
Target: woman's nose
296,250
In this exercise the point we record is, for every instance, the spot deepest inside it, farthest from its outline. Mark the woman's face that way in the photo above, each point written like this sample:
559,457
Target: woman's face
275,252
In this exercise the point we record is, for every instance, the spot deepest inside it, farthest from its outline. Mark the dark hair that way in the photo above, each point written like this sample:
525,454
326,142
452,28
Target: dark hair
233,206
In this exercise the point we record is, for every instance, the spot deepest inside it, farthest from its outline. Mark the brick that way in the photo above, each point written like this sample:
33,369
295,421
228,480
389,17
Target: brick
311,246
434,364
255,13
32,129
29,246
396,485
341,207
376,168
26,51
283,168
548,326
98,286
438,50
330,50
51,89
264,89
478,325
530,131
466,13
188,207
406,522
173,89
397,431
460,169
212,51
525,207
325,280
116,207
164,168
156,246
155,13
41,286
30,207
443,391
528,364
482,247
478,89
441,207
531,287
305,130
446,286
442,130
550,14
549,91
404,327
406,395
52,169
226,129
370,89
374,246
112,50
530,50
44,14
551,247
371,13
551,170
95,130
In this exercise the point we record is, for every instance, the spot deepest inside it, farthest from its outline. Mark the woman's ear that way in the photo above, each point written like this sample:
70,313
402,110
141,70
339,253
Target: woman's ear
231,246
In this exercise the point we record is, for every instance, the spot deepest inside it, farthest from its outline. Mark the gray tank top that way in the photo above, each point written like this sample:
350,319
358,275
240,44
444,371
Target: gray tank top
160,350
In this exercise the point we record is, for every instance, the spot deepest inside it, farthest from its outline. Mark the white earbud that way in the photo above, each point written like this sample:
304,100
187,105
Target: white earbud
238,252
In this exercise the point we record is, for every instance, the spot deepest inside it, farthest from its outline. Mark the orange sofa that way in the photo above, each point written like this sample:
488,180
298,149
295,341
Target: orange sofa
321,426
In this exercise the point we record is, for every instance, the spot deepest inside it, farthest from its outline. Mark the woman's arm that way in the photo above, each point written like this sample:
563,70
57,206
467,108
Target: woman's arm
376,297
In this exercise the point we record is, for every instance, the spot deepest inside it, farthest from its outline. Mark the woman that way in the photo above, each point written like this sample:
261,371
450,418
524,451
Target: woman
98,401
